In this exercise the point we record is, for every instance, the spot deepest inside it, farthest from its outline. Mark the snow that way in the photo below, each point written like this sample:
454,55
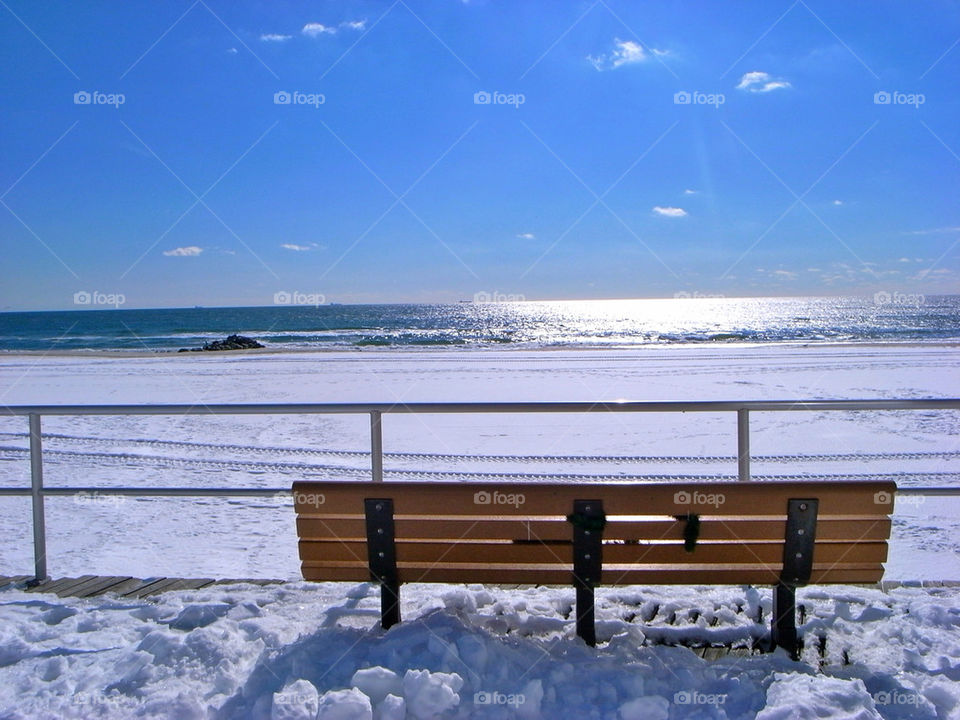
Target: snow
297,650
302,650
214,537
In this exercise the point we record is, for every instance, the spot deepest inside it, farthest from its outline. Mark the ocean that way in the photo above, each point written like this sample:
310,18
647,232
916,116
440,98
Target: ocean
885,317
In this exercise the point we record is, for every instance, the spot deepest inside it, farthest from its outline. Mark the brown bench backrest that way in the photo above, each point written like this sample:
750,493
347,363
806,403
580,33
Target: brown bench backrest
493,533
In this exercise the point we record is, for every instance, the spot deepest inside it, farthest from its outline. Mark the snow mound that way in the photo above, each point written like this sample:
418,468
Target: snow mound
297,651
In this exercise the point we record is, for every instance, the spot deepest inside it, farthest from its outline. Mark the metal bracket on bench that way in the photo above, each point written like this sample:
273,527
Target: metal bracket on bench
798,545
588,521
382,557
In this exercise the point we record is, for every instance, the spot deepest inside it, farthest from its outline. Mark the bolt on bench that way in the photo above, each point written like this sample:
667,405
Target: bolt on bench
785,534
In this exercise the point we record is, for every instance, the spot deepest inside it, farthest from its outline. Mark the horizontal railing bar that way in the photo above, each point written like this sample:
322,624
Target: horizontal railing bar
486,407
157,491
258,492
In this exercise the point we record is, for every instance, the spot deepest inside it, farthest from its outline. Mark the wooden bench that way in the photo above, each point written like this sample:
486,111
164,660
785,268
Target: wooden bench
785,534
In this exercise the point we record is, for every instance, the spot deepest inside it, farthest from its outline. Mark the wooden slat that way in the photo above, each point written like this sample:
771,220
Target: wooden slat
173,585
429,572
756,498
516,553
53,586
311,527
8,580
91,587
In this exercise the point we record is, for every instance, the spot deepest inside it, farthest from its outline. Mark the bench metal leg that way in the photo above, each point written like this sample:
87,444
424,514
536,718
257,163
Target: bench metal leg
588,521
798,548
783,622
389,604
382,557
586,628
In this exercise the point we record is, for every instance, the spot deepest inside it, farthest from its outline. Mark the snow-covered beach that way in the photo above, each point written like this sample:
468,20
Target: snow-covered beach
294,650
255,537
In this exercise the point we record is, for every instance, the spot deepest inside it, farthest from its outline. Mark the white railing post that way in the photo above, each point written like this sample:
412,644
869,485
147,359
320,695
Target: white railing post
743,444
376,445
36,493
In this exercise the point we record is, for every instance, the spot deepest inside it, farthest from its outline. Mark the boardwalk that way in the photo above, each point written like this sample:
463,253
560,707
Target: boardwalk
121,586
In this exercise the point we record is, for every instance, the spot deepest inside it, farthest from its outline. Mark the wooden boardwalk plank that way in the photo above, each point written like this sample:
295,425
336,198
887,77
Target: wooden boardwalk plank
172,585
7,580
54,586
97,586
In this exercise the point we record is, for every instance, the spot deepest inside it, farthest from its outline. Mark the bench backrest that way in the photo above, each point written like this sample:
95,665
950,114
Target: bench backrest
494,533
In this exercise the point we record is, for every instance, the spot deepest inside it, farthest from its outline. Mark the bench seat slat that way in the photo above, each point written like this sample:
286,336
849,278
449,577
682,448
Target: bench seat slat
431,572
836,498
562,554
452,529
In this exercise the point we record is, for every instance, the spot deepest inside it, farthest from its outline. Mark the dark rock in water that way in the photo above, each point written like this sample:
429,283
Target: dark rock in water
233,342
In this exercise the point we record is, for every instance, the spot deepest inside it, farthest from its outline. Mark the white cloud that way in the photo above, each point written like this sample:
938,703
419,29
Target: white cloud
934,231
300,248
189,251
274,37
673,212
232,51
784,273
625,52
316,29
761,82
354,24
526,236
838,202
688,191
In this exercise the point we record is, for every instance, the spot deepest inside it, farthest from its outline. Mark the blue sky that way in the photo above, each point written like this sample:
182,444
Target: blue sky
628,150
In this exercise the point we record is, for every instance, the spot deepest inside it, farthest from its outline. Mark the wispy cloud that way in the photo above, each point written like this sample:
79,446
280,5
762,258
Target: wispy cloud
315,29
934,231
838,202
189,251
761,82
526,236
300,248
673,212
625,52
688,191
274,37
355,24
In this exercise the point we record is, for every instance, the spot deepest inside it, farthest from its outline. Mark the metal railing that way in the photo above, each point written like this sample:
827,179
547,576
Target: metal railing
376,411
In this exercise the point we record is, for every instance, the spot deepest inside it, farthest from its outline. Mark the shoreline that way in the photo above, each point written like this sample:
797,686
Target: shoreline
101,353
